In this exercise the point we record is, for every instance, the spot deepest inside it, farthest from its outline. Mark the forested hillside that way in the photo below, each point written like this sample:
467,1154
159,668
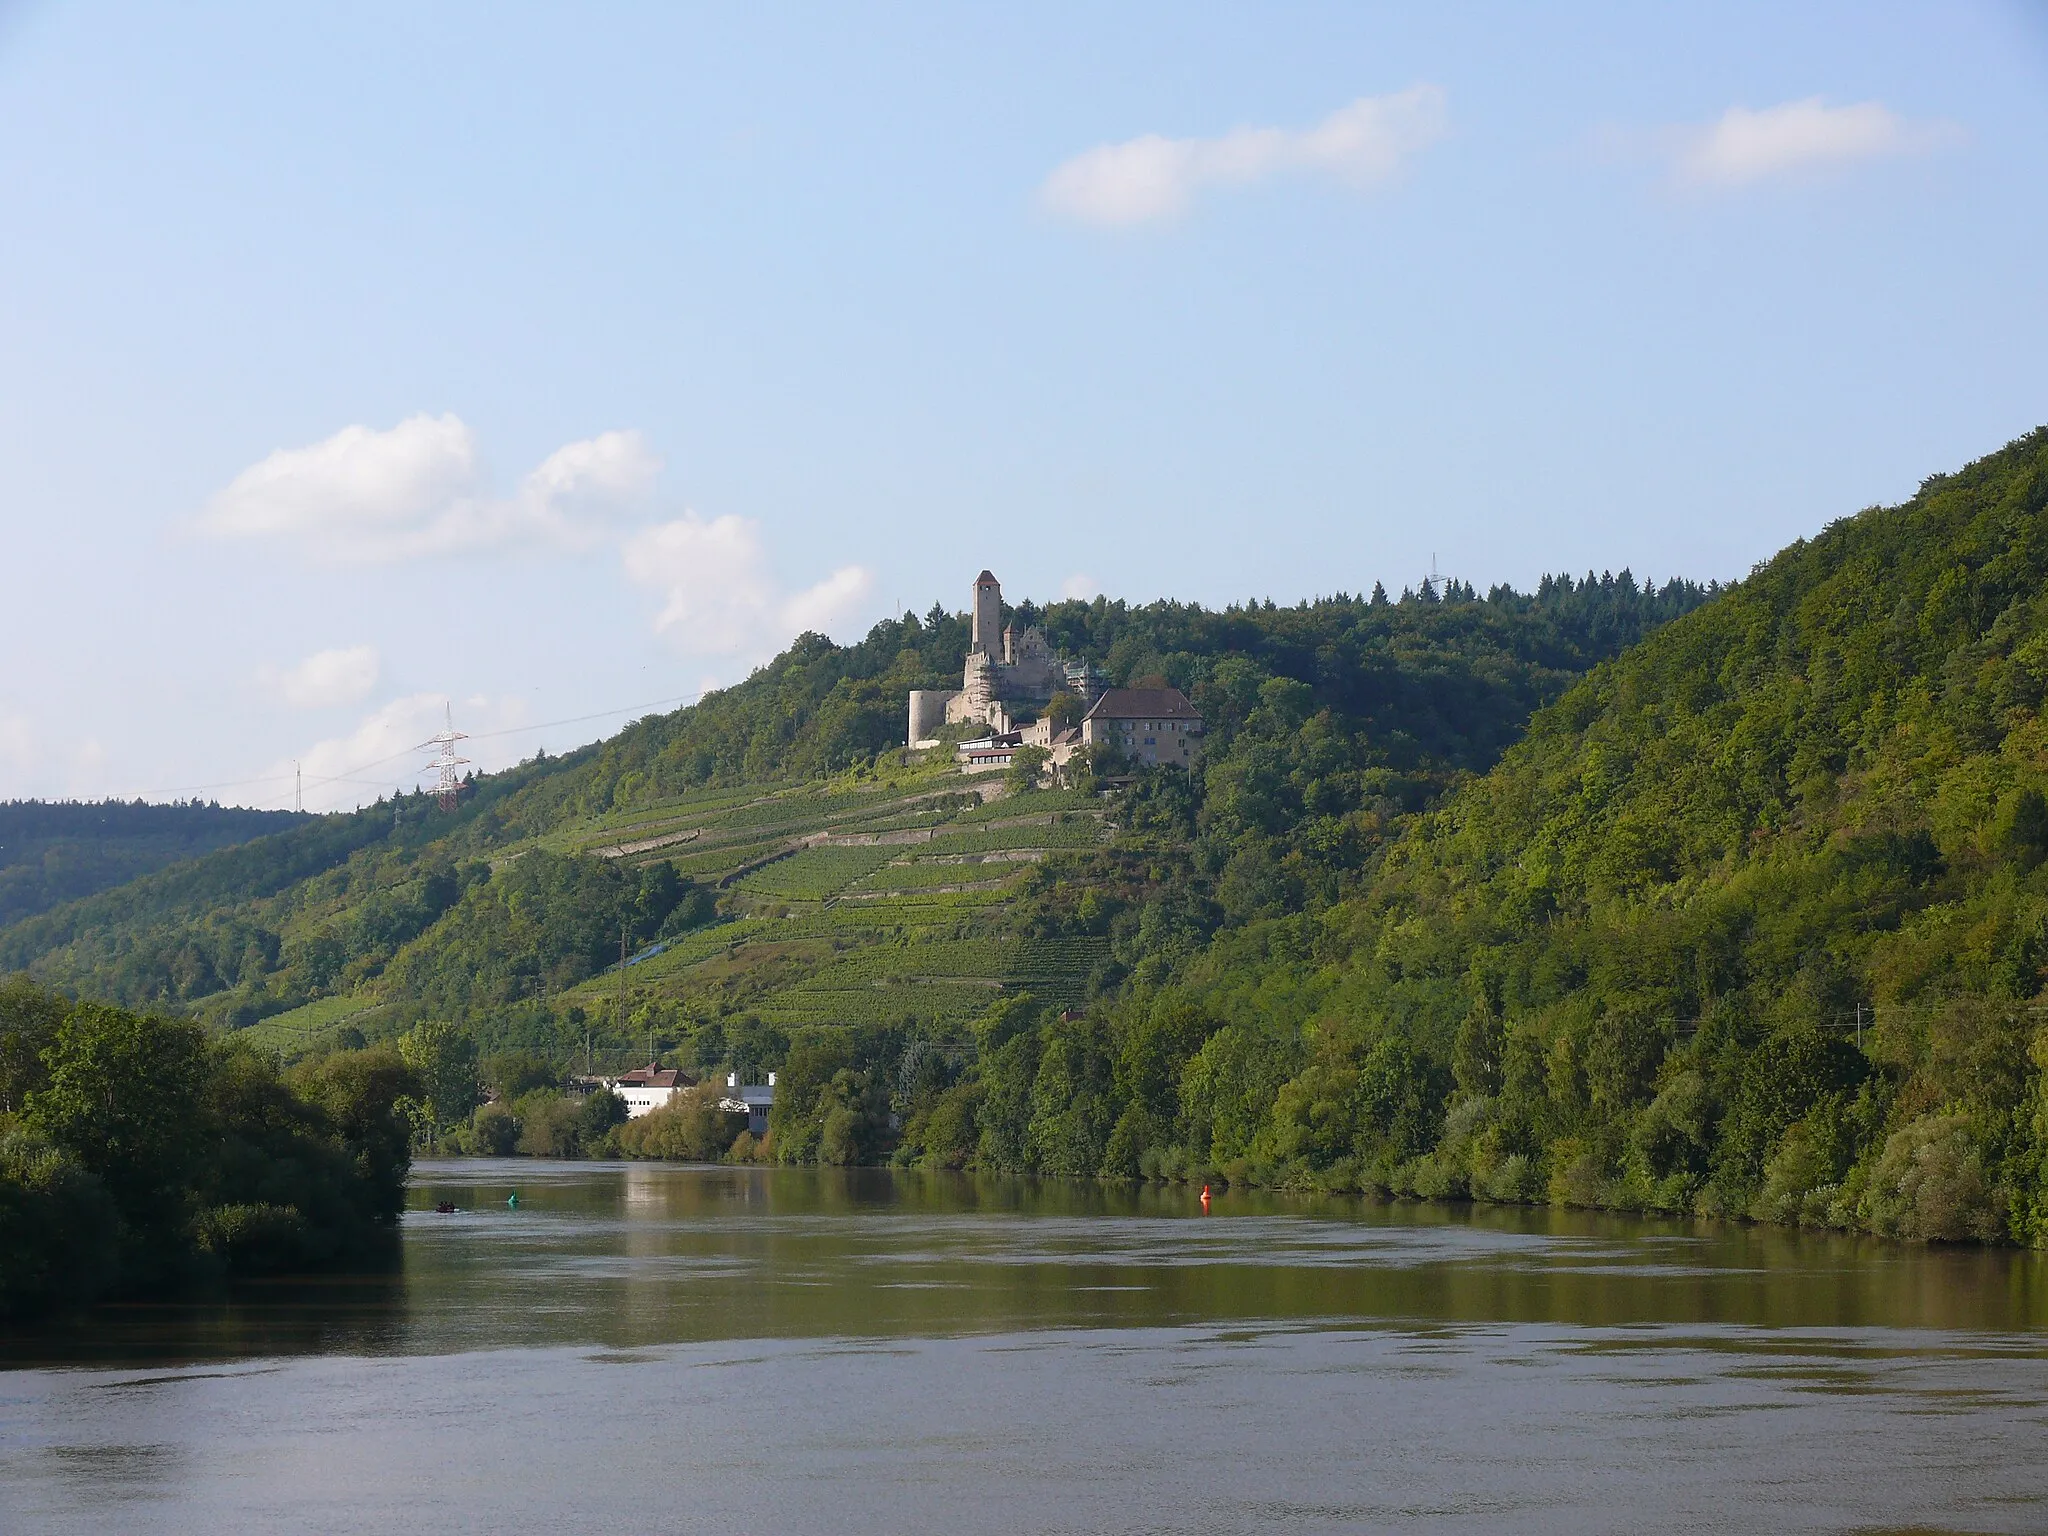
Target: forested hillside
1330,721
1730,902
58,851
1754,920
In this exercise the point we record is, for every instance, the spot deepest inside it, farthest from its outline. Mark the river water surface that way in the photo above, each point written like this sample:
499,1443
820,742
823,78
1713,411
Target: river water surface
643,1348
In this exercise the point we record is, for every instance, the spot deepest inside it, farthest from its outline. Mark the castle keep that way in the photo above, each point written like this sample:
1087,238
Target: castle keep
1009,678
1006,675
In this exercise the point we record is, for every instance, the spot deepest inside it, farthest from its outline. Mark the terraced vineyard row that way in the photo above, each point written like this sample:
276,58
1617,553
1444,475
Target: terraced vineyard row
1058,969
926,875
951,1004
1080,832
815,873
715,862
643,821
851,932
982,959
1041,800
691,949
805,809
943,981
917,906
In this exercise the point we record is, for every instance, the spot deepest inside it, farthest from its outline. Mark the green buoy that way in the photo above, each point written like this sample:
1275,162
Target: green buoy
513,1199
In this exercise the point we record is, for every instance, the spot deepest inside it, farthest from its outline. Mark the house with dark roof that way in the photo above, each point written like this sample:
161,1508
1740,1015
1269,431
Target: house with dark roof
1147,725
648,1088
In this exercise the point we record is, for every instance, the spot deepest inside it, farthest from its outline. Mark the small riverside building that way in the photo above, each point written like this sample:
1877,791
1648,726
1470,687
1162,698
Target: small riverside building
754,1102
648,1088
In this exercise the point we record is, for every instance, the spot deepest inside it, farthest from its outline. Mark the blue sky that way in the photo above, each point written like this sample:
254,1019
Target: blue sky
557,361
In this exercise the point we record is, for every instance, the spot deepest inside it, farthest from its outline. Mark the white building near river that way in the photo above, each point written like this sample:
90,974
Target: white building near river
646,1089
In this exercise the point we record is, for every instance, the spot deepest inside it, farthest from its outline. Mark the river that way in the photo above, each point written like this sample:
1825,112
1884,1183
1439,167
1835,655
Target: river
647,1348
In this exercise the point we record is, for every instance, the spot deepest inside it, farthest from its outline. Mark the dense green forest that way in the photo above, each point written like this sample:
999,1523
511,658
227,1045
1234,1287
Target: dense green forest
57,851
1725,901
139,1153
1754,920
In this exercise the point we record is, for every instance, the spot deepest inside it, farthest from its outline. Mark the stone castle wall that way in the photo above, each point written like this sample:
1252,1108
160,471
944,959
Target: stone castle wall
928,711
1002,669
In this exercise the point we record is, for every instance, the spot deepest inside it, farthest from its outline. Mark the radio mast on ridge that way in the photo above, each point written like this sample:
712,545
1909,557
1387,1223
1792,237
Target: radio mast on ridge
445,761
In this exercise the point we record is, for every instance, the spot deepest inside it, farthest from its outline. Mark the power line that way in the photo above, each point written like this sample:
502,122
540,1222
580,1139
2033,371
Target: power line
349,775
603,714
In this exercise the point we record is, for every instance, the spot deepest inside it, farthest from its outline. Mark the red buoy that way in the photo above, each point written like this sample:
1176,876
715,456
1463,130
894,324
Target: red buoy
1205,1199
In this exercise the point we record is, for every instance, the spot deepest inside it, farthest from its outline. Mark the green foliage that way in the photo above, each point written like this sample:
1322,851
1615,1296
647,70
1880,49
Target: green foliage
1930,1183
442,1060
1026,765
831,1101
1073,1106
29,1017
1748,922
1723,901
508,1074
542,923
54,853
148,1154
123,1096
544,1122
690,1128
61,1232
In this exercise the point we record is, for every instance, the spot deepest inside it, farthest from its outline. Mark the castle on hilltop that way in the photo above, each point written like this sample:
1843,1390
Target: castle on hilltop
1007,675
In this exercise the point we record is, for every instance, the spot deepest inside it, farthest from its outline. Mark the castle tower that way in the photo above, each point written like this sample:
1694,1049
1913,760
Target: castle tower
988,615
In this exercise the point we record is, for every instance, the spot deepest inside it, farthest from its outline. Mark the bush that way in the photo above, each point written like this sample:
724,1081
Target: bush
254,1238
1579,1175
1929,1185
149,1155
1515,1180
493,1132
690,1128
550,1124
1799,1182
62,1233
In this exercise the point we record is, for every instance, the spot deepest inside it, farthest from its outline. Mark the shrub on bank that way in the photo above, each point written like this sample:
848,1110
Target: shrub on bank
139,1154
543,1122
690,1128
60,1229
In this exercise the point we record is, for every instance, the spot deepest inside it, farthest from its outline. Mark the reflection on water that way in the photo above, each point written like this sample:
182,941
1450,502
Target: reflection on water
810,1350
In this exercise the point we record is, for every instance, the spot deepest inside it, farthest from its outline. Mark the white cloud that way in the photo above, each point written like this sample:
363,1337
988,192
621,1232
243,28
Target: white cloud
1745,146
1153,177
1080,586
34,765
344,675
18,754
419,489
719,595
